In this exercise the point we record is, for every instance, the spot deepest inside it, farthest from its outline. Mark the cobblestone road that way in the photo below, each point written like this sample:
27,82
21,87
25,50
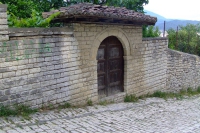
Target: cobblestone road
152,115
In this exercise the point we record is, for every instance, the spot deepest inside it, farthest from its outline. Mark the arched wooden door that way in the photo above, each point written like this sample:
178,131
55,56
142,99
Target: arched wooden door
110,67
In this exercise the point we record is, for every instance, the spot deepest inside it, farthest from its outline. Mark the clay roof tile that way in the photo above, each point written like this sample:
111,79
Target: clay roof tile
84,10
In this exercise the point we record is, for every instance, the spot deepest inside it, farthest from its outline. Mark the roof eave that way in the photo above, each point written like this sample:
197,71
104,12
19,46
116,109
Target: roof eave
102,20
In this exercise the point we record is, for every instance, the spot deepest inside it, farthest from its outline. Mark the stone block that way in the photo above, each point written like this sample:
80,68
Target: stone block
34,70
4,37
3,32
3,15
4,27
48,59
3,98
3,22
78,34
9,74
25,72
3,9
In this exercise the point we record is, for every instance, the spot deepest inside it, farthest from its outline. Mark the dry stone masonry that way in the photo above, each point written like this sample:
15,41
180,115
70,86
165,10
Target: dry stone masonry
3,23
39,66
183,71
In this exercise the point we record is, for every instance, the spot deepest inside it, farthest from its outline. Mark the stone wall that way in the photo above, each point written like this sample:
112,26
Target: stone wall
39,69
39,66
149,66
183,71
3,23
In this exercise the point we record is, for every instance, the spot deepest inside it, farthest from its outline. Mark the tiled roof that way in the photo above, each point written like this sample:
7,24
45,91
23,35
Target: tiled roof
90,13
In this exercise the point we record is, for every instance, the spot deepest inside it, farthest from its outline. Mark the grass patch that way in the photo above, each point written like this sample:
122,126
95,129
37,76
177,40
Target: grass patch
130,98
165,95
159,94
16,110
6,111
198,90
47,107
89,102
64,106
192,92
50,106
182,92
24,110
104,103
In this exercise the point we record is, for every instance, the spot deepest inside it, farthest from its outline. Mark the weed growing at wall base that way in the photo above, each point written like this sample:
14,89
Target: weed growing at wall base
16,110
198,90
164,95
89,102
25,111
50,106
167,95
130,98
64,106
6,111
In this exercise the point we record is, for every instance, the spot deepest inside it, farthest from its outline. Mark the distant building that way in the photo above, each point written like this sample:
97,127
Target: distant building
161,34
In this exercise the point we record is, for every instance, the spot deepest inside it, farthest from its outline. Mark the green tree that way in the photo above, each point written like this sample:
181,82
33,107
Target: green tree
24,8
47,5
186,40
150,31
172,38
28,13
20,8
136,5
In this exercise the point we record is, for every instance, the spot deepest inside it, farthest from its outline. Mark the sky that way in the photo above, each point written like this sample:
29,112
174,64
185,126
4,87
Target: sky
175,9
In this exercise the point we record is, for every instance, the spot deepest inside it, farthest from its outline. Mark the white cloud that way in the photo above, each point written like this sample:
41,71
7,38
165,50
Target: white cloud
175,9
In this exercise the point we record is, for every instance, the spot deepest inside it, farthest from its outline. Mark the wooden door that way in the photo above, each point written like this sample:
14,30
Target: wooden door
110,67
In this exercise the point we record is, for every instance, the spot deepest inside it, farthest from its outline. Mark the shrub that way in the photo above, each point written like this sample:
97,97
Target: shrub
35,20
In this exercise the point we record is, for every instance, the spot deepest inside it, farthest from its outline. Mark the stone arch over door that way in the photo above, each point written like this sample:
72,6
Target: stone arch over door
117,32
123,38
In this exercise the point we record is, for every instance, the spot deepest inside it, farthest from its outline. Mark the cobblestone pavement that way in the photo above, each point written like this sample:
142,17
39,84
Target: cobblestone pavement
152,115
